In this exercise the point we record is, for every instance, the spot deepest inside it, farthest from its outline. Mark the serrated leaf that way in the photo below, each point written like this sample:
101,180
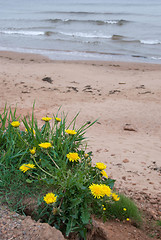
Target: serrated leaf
85,216
69,228
75,202
110,182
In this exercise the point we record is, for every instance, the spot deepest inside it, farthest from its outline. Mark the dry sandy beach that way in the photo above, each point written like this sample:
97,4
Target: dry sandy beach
124,97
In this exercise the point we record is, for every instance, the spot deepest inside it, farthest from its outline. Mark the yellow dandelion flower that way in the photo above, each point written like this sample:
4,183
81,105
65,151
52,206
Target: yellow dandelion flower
106,190
45,145
124,209
104,209
26,167
71,132
15,124
50,198
127,219
58,119
115,197
46,119
104,174
33,151
96,190
73,157
100,166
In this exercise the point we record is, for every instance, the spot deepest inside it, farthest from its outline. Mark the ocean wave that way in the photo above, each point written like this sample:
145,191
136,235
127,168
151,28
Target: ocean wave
88,13
124,39
118,22
117,37
150,42
97,22
74,12
156,58
27,33
50,33
85,35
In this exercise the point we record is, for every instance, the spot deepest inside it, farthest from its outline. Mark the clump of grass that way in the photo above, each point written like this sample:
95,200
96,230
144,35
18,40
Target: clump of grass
14,189
124,209
50,163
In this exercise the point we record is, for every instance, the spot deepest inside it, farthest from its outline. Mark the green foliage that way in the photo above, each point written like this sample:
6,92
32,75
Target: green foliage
123,209
159,223
13,189
28,169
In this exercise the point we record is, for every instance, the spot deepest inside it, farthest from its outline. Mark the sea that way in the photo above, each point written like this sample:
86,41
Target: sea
101,30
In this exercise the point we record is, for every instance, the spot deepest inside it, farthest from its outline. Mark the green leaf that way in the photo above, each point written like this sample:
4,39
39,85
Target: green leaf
75,202
29,180
110,182
85,215
69,227
83,233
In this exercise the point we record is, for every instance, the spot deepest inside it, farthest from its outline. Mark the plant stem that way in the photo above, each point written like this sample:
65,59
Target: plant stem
62,199
41,167
53,160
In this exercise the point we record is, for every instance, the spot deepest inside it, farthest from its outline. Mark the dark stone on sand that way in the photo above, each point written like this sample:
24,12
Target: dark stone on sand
145,92
141,86
114,91
73,88
25,91
88,86
129,127
88,91
125,160
47,79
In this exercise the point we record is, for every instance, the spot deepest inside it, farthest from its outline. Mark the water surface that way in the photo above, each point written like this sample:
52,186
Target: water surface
83,29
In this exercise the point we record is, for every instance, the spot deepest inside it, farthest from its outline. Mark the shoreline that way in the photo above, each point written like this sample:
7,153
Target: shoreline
124,97
132,59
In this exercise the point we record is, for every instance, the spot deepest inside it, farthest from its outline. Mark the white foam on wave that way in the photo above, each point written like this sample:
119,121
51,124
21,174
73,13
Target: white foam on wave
150,42
86,35
156,58
27,33
111,21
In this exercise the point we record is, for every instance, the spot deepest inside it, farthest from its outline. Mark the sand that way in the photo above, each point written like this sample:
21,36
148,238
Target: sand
124,97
